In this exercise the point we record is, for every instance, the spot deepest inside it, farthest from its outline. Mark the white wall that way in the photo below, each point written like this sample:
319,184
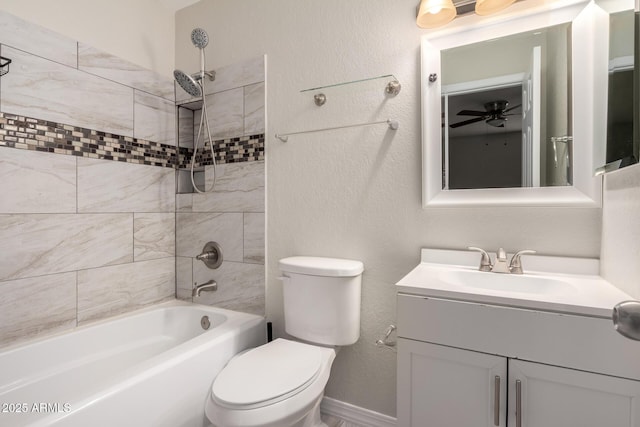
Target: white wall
621,230
140,31
356,193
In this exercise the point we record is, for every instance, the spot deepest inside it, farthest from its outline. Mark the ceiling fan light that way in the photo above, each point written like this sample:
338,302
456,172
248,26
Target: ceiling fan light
435,13
487,7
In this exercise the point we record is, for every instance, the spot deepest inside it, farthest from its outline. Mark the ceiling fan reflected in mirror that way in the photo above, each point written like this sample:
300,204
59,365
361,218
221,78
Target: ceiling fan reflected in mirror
495,114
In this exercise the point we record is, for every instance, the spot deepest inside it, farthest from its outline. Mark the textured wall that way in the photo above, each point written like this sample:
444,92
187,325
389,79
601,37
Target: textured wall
356,193
87,201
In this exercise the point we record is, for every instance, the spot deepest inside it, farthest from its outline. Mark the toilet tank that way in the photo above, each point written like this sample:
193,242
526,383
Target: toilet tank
322,299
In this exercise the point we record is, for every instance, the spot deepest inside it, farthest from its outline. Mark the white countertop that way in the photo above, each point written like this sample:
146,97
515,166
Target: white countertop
582,290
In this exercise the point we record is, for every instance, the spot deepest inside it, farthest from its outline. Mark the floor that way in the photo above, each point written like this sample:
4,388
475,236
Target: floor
337,422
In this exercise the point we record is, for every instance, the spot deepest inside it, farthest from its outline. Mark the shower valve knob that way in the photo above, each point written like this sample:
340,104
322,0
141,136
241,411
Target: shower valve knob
211,255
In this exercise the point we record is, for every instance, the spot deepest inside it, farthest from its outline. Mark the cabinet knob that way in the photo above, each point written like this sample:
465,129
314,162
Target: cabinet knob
626,319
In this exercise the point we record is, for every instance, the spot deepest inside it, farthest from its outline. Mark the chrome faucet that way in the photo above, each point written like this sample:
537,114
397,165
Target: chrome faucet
211,285
500,265
515,266
485,260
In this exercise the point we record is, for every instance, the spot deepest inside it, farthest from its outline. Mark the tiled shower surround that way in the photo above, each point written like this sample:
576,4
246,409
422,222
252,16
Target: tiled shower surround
233,214
87,201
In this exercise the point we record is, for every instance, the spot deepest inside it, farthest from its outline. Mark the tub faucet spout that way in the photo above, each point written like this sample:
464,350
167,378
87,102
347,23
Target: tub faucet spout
211,285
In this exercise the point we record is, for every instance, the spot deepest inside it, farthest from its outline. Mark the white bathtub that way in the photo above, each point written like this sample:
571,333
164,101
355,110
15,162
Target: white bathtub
150,368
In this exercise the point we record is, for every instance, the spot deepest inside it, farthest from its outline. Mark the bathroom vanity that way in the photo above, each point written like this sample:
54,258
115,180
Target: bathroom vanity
533,350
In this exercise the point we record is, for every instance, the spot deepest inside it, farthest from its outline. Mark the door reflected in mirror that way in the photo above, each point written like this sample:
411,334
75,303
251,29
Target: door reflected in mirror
506,119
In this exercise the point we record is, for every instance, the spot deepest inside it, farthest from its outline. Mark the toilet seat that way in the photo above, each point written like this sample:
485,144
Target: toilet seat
267,374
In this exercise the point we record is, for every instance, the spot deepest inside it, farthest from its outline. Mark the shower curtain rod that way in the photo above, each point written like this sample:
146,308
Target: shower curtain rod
284,137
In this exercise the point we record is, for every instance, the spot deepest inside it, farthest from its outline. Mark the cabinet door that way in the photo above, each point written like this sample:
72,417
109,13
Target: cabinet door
550,396
441,386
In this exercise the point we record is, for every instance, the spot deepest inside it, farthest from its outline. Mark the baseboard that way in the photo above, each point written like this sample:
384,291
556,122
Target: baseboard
355,414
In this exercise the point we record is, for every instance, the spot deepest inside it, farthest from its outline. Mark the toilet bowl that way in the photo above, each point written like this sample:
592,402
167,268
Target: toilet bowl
281,383
275,385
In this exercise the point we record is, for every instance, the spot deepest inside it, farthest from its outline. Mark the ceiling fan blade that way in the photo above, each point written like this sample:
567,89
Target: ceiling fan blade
466,122
512,108
471,113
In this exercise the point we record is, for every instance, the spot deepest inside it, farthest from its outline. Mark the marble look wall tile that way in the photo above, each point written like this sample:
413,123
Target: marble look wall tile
154,119
38,40
240,187
107,291
153,236
54,243
254,114
111,67
226,114
186,126
106,186
184,202
194,230
36,182
35,305
254,244
241,286
231,76
184,278
40,88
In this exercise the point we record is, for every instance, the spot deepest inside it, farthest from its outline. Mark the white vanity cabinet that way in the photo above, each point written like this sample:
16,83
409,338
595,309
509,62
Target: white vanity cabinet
449,387
466,364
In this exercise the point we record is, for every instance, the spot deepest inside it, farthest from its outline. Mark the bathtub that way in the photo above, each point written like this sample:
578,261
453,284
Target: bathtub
153,367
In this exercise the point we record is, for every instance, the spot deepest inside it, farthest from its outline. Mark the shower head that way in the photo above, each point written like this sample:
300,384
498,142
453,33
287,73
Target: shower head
188,83
199,38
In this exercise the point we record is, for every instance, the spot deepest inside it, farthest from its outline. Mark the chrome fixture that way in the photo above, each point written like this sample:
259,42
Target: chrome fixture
284,137
500,265
485,260
205,322
393,88
385,341
210,286
319,99
433,77
626,319
211,255
515,266
194,85
191,83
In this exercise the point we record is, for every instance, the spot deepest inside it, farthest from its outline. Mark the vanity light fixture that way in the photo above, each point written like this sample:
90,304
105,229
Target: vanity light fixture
435,13
487,7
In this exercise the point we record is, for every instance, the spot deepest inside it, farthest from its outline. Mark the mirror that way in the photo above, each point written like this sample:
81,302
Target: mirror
622,145
511,111
506,119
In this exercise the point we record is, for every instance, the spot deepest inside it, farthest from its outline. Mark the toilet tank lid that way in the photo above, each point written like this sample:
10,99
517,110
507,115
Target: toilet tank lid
320,266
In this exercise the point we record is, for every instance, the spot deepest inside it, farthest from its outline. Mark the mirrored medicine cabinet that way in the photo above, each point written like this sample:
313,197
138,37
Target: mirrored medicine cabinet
514,110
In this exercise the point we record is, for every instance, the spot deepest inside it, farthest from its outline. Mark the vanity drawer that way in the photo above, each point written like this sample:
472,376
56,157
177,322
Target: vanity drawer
578,342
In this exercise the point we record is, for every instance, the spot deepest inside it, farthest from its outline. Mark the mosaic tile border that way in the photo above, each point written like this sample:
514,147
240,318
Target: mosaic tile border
41,135
231,150
45,136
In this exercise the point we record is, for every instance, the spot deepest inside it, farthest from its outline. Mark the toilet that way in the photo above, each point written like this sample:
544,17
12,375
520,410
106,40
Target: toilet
281,383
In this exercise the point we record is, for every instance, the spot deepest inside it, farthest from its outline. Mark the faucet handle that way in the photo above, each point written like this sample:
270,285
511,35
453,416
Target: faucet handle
515,266
501,255
485,260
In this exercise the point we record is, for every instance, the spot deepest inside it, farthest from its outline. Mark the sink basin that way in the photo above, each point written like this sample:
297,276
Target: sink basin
505,282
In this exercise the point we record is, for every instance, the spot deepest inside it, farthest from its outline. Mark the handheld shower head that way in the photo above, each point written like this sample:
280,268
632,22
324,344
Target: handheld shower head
188,83
199,38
